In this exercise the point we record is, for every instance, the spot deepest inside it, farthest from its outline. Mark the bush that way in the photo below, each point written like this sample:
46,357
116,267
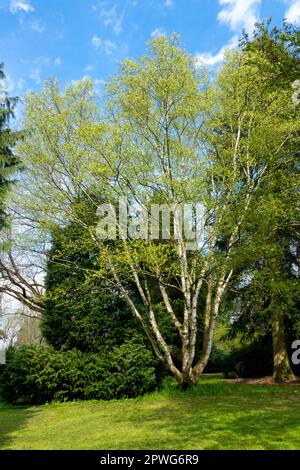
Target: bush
126,373
216,361
253,360
37,374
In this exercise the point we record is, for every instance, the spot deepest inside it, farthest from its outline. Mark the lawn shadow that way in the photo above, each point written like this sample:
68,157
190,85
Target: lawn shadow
213,417
13,419
212,423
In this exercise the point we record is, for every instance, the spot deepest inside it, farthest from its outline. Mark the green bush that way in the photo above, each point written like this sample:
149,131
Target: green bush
216,361
37,374
127,372
252,360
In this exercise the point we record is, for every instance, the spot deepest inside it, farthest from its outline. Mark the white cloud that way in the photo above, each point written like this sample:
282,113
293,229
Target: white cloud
293,13
239,14
20,5
158,32
7,85
38,66
99,81
36,25
21,84
169,3
36,75
207,58
76,82
105,45
89,68
42,60
113,19
96,41
11,86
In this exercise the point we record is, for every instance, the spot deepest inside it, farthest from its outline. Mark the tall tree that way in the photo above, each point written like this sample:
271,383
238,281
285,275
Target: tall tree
9,163
166,137
278,50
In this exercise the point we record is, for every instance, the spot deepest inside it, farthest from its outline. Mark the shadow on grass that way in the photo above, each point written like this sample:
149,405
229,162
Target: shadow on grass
213,424
12,420
214,415
218,416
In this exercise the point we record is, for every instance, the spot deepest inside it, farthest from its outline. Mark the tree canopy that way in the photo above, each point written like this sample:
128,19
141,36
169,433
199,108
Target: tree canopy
167,136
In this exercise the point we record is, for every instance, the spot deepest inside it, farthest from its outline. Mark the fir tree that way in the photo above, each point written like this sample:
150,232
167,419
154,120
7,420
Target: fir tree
9,163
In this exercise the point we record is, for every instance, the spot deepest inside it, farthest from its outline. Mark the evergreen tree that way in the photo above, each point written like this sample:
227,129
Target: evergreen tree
271,299
9,163
82,309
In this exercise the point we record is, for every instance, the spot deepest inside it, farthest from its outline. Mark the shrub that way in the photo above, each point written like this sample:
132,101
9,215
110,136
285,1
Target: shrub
253,360
127,372
38,374
216,361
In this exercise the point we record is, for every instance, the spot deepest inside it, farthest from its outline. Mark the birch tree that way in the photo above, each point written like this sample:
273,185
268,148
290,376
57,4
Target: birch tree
166,136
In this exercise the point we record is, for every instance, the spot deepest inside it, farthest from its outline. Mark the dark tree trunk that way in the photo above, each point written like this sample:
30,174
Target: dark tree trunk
281,365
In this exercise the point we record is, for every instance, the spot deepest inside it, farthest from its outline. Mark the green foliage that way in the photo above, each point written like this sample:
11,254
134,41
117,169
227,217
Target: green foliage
166,135
279,47
217,360
127,372
268,281
255,359
252,360
82,309
37,374
9,163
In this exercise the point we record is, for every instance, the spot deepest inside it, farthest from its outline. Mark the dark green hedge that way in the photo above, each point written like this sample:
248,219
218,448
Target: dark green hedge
38,374
252,360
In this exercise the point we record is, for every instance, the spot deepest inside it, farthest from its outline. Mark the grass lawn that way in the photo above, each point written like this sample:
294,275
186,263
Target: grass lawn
214,415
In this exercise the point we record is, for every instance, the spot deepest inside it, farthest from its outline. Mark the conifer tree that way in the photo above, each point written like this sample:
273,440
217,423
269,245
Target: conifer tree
9,162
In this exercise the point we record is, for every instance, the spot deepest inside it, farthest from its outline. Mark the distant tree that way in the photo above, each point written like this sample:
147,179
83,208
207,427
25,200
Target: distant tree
29,332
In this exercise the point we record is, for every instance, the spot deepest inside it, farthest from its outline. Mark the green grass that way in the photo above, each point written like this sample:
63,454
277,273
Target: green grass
214,415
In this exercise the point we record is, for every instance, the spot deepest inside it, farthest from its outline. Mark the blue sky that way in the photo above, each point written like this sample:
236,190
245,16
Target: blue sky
73,38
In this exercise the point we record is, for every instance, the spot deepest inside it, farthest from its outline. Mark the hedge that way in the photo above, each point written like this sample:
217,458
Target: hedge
36,374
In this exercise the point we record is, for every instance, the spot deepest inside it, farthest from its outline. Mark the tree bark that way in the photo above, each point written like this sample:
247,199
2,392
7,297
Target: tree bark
281,365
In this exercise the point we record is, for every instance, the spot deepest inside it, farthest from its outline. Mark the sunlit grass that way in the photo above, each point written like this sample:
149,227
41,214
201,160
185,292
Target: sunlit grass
214,415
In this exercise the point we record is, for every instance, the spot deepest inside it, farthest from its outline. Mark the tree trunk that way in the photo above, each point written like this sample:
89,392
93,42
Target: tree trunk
211,315
281,365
